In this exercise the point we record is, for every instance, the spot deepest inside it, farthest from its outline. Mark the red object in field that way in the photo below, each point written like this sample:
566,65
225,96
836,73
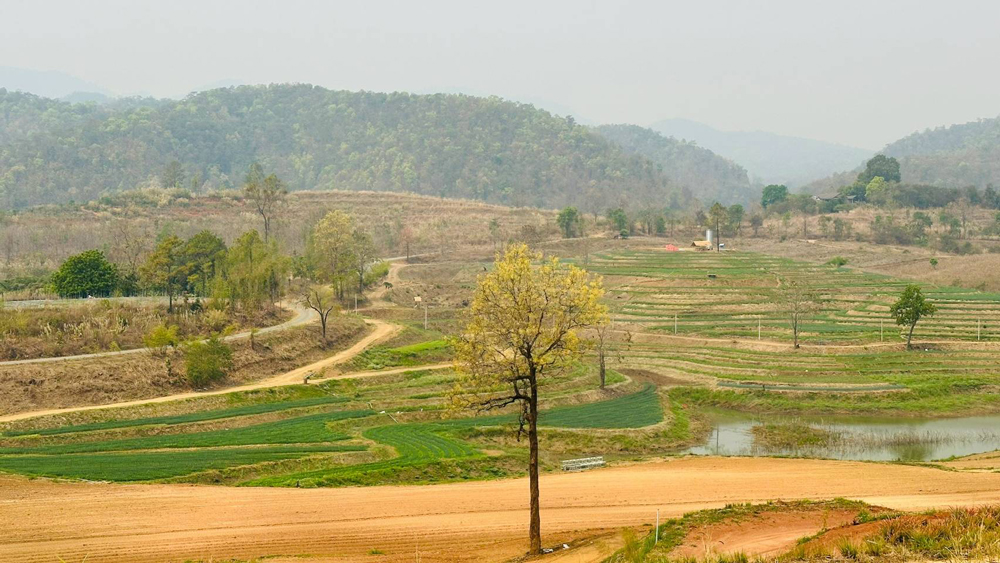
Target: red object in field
671,248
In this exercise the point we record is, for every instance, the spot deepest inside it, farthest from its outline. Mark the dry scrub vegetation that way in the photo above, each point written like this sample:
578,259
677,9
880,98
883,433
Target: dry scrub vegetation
139,376
35,241
105,325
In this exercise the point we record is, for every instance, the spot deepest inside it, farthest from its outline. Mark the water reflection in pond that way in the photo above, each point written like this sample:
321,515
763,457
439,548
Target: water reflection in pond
855,438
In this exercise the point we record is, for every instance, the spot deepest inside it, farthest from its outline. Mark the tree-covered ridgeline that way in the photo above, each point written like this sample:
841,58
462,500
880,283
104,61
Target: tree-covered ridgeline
698,172
485,149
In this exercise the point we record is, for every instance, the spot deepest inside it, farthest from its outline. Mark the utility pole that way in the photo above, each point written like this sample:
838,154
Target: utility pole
718,235
675,324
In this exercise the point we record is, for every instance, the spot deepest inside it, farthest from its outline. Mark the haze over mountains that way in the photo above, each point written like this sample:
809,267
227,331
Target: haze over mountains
715,178
486,149
768,157
50,84
76,152
955,156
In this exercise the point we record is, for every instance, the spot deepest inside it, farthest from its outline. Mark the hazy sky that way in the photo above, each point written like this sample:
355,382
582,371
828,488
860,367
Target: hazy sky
860,73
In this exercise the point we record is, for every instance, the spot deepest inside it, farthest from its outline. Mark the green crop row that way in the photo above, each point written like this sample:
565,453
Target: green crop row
170,420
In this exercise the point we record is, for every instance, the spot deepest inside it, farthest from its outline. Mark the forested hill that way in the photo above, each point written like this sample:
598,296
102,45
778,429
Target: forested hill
708,176
960,155
485,149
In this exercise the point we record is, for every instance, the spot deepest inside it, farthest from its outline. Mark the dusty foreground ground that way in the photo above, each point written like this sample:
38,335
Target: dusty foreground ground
481,521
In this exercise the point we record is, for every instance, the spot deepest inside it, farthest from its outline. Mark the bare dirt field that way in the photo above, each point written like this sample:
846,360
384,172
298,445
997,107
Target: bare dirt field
478,521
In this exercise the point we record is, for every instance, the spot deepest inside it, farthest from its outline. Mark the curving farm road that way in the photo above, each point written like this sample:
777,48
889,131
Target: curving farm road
382,331
302,316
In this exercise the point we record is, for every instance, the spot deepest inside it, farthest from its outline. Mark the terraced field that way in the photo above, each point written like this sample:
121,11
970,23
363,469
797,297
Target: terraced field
300,441
648,289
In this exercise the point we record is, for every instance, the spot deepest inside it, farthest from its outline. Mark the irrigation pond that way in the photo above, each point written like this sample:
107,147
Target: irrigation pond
850,437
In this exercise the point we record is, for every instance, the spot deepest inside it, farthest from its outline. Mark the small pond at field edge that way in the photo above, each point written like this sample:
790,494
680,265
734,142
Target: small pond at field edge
858,438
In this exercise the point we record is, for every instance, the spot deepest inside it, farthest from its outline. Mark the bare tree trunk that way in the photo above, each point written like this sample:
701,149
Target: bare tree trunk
535,526
909,337
600,356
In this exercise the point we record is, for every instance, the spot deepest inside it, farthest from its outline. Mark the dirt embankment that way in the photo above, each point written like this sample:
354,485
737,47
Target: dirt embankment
113,379
480,521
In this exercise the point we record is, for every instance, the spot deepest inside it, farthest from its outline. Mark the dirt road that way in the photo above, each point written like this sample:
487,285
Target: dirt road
303,316
382,331
478,521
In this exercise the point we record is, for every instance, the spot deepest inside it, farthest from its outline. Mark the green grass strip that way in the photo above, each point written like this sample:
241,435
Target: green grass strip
260,408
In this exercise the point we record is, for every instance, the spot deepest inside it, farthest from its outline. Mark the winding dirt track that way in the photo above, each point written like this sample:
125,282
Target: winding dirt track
303,316
382,331
478,521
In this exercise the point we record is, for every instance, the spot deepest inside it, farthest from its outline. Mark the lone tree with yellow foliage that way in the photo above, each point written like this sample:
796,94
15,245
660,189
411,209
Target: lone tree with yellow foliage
522,328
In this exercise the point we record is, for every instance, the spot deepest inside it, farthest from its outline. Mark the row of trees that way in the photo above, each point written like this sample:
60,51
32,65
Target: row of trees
246,275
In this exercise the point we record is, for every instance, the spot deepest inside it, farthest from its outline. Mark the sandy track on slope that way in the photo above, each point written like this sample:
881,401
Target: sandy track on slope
479,521
382,331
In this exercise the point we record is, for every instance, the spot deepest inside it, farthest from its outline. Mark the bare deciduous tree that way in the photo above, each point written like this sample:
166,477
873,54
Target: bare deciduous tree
323,300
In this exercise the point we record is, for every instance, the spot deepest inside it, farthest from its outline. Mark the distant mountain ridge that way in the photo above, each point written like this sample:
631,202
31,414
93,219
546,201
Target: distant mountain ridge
769,158
956,156
47,83
965,154
485,149
706,175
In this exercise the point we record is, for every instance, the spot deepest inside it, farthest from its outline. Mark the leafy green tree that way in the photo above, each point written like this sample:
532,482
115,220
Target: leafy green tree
331,249
910,308
250,276
877,191
991,198
173,175
207,361
266,193
880,165
363,250
772,194
618,219
163,269
661,225
199,257
568,221
88,274
735,217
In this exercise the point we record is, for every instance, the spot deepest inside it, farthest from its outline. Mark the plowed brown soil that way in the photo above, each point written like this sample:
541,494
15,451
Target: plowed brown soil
481,521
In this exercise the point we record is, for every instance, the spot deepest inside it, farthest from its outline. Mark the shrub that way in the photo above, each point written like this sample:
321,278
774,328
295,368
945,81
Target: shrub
207,361
161,338
216,320
838,261
88,274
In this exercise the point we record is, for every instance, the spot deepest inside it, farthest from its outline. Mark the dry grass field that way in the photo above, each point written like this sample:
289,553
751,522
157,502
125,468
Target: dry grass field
35,241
